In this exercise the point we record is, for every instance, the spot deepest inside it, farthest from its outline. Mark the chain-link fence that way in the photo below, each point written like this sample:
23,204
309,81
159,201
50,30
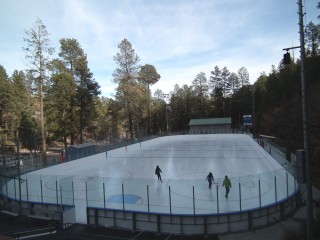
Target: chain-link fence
279,153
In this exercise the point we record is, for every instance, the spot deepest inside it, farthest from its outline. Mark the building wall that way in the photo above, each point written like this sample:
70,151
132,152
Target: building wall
209,128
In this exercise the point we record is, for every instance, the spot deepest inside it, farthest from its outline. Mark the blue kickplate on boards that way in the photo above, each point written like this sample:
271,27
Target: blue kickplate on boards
128,198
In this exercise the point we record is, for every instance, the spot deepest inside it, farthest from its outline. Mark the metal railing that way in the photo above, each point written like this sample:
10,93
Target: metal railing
176,196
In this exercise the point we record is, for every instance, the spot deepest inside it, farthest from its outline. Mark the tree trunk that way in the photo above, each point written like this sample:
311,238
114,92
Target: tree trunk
43,135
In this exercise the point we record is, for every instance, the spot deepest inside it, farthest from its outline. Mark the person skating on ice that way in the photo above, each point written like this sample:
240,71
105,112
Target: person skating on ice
227,185
158,173
210,179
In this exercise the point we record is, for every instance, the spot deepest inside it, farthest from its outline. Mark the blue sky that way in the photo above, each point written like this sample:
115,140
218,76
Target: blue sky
181,38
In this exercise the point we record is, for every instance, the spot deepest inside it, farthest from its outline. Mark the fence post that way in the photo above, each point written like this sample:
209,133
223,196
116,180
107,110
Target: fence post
122,198
27,190
259,193
275,188
240,196
295,170
170,198
60,195
104,196
7,180
87,193
57,194
148,199
72,192
194,203
61,208
218,211
15,189
41,190
287,184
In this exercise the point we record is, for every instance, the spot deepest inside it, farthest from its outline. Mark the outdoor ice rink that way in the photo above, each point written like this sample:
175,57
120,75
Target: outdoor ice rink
125,178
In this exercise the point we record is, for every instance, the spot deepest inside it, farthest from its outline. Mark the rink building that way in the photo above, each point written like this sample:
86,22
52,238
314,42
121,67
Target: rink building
210,125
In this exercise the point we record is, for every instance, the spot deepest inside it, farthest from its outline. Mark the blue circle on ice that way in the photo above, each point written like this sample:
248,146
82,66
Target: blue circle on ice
126,198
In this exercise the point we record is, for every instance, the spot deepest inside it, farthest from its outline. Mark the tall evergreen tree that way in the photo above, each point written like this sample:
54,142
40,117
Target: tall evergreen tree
217,85
126,76
87,88
107,121
234,82
38,51
243,76
226,85
215,80
201,89
181,106
21,107
312,33
4,102
159,111
148,75
60,101
18,100
218,102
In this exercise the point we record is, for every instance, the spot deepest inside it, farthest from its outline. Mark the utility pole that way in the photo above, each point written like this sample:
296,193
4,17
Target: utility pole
308,183
253,114
305,127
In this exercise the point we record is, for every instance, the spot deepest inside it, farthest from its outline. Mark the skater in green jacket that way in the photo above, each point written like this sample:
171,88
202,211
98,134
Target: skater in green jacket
227,185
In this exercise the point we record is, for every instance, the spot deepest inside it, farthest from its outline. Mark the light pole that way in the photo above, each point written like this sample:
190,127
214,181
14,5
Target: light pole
305,127
253,115
305,122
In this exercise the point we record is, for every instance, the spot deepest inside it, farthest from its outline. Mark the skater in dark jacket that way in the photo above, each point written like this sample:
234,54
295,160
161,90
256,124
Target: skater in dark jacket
210,179
158,173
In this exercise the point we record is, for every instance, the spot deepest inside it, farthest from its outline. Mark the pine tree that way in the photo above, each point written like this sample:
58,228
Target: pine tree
76,61
38,53
129,90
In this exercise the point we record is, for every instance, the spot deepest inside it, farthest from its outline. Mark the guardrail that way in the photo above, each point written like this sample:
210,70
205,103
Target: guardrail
34,233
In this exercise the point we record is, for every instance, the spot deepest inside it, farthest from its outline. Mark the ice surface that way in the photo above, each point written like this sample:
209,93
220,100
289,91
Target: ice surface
105,180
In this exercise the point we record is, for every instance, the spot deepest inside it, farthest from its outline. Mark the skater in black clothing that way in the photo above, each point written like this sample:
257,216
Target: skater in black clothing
210,179
158,173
